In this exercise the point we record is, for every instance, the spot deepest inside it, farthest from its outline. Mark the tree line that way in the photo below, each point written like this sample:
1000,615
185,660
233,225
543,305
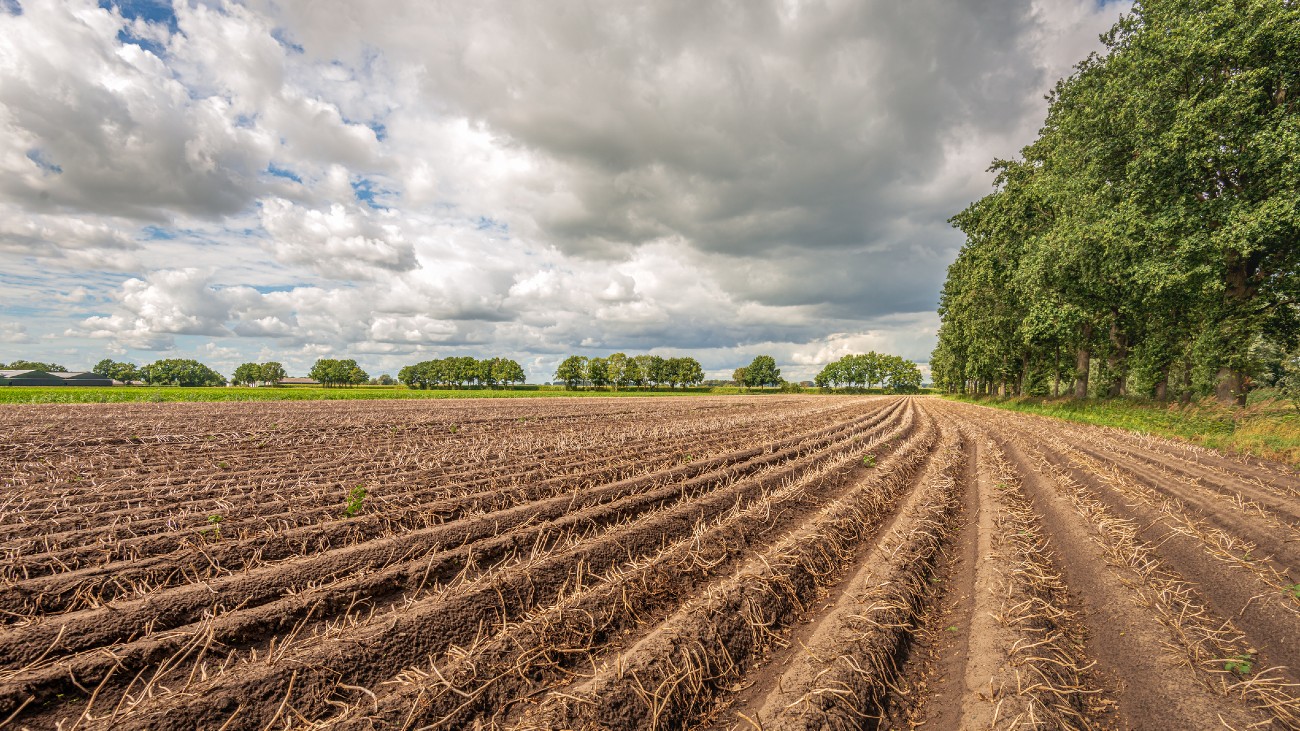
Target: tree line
1148,241
620,370
867,369
458,371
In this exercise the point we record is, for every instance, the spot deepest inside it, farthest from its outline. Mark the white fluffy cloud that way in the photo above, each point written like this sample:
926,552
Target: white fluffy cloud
317,177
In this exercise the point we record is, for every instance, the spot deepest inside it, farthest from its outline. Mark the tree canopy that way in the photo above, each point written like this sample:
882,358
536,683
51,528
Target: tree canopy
251,373
620,370
33,365
761,371
1147,240
458,371
120,371
334,372
180,372
867,369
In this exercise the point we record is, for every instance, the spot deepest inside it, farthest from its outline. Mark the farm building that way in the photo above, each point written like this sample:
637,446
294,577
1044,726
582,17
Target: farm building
84,378
299,382
29,378
41,378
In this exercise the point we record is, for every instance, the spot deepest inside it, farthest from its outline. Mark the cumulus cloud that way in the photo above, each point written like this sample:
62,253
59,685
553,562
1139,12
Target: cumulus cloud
14,332
341,242
523,179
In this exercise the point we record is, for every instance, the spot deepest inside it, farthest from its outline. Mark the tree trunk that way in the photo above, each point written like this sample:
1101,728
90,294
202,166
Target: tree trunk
1056,373
1116,361
1162,389
1082,364
1231,388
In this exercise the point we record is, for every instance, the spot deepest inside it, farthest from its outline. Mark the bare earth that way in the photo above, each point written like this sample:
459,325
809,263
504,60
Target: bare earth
722,563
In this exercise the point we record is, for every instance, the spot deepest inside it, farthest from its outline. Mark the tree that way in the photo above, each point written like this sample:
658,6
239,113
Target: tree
740,376
646,369
598,372
1148,234
180,372
616,366
762,371
333,372
655,369
124,372
247,374
572,371
271,372
687,371
33,365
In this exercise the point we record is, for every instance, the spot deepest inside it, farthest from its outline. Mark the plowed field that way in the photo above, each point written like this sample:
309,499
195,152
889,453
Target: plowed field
794,562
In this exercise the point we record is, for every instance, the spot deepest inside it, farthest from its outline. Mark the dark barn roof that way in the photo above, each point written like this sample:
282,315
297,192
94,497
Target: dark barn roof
41,378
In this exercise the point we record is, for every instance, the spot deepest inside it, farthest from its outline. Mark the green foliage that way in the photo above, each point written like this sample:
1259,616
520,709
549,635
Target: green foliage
124,372
572,371
762,371
333,372
356,501
869,460
1145,242
215,522
1240,664
868,369
33,365
621,371
460,371
180,372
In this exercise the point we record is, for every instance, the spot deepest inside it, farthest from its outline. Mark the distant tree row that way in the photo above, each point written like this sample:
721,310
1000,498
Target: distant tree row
458,371
251,373
620,370
1147,242
334,372
33,365
180,372
868,369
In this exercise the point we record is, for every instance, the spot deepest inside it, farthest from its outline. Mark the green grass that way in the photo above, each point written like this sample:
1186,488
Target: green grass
1268,427
158,394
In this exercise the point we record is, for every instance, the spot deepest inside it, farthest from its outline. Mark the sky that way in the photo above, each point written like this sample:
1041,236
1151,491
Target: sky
392,182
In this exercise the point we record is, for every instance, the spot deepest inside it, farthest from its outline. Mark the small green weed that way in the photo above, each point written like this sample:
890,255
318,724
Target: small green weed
356,500
223,465
1240,664
452,428
1293,590
869,460
215,522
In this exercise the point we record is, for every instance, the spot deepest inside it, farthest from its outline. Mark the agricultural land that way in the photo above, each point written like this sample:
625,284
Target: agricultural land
771,562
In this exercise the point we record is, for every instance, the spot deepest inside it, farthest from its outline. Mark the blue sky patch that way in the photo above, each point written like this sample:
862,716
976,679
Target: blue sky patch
37,156
285,173
150,11
365,190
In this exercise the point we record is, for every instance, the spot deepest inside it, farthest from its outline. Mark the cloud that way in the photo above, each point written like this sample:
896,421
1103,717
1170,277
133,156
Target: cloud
167,303
343,242
530,180
14,332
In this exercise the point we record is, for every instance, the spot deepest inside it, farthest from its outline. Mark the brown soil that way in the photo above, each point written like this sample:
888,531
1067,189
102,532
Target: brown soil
637,563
